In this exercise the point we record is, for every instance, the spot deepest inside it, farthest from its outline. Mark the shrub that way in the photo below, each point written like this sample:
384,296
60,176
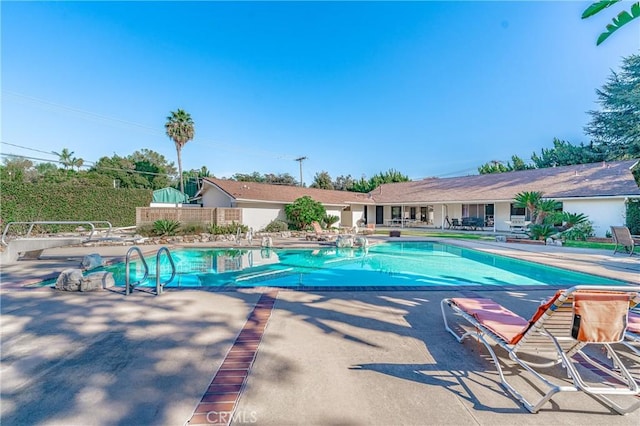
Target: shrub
541,232
230,229
192,228
276,226
579,232
303,211
166,227
633,215
146,230
329,220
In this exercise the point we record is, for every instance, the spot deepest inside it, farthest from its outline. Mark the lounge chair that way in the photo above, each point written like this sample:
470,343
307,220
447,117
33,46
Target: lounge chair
370,229
623,239
321,234
556,336
632,335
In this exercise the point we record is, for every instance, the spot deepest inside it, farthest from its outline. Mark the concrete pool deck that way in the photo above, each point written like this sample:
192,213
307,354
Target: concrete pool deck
313,358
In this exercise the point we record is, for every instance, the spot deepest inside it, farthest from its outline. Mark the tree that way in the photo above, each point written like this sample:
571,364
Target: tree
153,167
65,157
494,166
564,153
390,176
120,172
253,177
303,211
623,17
322,180
77,163
617,125
180,128
17,169
546,208
280,179
529,201
343,183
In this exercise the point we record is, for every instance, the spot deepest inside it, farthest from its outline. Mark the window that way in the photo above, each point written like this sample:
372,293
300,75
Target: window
473,210
518,211
412,213
396,212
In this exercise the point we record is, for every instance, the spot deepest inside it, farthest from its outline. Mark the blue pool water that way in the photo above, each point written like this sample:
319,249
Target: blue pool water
408,264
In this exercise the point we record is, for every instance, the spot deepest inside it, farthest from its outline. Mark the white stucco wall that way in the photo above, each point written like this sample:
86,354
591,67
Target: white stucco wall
259,215
501,214
213,197
603,213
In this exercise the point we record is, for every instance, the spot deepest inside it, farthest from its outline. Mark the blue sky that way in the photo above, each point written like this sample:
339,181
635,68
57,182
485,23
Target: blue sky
426,88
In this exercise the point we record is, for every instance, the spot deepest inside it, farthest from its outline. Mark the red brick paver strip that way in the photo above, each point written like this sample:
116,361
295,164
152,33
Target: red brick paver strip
218,403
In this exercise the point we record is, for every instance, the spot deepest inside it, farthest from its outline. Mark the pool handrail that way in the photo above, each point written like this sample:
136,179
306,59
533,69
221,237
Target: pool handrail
127,282
55,222
159,285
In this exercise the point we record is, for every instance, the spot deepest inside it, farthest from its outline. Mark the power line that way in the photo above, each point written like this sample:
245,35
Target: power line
148,129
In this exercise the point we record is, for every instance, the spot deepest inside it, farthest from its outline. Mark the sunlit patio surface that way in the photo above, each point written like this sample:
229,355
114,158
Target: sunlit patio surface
265,356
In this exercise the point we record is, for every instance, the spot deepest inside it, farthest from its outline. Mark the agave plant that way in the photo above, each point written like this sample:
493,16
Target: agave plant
166,227
329,220
541,232
572,219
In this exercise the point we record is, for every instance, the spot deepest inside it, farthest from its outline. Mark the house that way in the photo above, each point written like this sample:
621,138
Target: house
262,203
598,190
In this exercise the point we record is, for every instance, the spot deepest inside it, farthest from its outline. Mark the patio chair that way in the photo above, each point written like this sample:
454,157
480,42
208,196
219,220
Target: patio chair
321,234
623,239
556,336
370,229
632,335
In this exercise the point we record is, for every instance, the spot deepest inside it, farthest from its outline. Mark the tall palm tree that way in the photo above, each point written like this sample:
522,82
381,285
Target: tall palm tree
180,129
77,162
65,157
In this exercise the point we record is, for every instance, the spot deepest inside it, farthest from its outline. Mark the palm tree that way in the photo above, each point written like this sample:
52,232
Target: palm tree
77,162
529,201
621,19
546,208
180,129
65,157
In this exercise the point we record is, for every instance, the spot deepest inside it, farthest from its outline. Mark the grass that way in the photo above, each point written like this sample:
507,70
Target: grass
589,244
405,232
470,236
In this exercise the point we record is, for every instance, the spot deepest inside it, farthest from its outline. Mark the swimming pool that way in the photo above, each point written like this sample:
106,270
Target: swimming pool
392,265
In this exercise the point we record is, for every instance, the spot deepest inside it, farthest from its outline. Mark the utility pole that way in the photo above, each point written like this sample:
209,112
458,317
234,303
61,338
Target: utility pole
300,160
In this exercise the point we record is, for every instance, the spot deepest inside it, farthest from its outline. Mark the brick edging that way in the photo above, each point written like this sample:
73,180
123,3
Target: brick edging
219,401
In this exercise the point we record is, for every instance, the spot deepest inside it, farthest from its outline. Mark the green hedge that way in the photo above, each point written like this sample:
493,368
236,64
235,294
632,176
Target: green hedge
22,202
633,215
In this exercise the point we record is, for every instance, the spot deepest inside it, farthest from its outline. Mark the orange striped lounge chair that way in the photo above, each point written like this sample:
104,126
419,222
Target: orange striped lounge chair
557,335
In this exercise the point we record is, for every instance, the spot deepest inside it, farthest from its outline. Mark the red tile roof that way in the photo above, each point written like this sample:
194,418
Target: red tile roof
253,191
584,180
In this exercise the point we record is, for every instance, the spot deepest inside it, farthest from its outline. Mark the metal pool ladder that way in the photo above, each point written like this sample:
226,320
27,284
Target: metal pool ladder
129,286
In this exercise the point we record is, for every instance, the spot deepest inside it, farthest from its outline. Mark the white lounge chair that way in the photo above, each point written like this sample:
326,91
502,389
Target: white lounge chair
556,335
